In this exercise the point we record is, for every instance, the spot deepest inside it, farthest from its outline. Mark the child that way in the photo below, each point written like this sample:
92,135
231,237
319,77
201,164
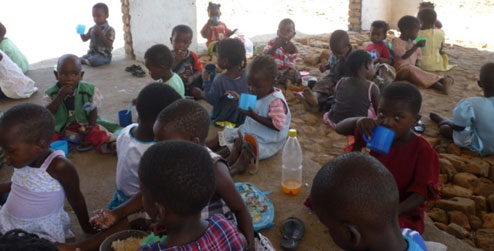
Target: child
411,159
355,95
13,83
362,186
214,30
101,35
185,62
270,120
407,54
231,56
284,52
429,5
379,49
472,125
339,42
159,62
135,139
178,180
9,48
41,177
74,103
433,56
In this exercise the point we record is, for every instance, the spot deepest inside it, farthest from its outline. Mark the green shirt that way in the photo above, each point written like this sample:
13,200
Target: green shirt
7,46
176,83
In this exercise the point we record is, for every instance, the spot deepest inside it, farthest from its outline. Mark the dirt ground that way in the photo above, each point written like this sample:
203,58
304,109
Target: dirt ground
319,142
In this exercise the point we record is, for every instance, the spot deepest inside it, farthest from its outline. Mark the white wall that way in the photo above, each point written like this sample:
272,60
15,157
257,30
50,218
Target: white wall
375,10
152,21
402,8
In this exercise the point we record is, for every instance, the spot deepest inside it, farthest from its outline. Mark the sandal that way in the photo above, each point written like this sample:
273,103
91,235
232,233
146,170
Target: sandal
293,230
420,127
252,146
109,148
82,148
133,68
139,73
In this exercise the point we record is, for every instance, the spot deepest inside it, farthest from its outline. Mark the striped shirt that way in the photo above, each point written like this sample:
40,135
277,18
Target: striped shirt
283,59
221,234
277,113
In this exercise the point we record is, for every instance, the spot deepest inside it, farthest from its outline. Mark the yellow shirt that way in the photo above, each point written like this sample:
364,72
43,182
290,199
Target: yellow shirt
432,60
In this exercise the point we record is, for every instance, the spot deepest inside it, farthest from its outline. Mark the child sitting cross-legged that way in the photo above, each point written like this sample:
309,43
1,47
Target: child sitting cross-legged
159,61
407,55
75,103
9,48
177,181
185,62
357,199
411,159
433,56
473,125
284,52
355,95
135,139
42,178
231,57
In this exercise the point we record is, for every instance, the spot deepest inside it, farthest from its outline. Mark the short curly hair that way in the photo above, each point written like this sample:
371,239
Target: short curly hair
33,122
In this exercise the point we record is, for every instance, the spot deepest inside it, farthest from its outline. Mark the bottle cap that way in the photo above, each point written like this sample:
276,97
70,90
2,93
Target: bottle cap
292,133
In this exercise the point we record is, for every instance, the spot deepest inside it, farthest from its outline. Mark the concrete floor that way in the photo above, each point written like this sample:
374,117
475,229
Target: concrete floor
97,172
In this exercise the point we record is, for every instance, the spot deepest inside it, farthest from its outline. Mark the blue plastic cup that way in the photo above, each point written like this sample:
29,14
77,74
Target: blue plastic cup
81,29
211,70
381,140
247,100
125,117
61,145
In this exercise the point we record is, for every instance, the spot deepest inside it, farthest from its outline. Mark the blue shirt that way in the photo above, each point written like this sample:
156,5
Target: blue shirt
476,114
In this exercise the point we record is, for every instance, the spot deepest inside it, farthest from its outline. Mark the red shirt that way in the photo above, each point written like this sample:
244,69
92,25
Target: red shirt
415,167
283,59
379,50
218,32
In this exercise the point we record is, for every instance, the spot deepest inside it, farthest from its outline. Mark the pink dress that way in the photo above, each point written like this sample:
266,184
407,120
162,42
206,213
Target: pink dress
35,203
406,69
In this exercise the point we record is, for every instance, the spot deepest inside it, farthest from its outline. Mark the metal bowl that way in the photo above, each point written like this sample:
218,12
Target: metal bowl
122,235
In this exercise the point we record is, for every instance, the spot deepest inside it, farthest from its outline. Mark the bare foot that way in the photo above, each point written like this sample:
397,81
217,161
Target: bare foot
436,117
244,161
447,83
310,98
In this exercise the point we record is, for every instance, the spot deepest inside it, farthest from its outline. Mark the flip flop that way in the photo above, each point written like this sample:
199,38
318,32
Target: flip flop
420,127
82,148
109,148
293,230
254,150
133,68
139,73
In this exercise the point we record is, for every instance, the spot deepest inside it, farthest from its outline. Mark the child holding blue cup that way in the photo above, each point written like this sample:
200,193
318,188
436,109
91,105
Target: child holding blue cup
411,159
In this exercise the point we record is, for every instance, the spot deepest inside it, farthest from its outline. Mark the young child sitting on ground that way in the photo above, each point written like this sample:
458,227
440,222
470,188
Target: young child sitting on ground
42,178
284,52
407,55
362,186
411,159
74,103
433,56
101,35
13,83
135,139
214,30
9,48
379,49
231,56
159,62
472,125
355,95
269,121
339,42
185,62
177,181
430,5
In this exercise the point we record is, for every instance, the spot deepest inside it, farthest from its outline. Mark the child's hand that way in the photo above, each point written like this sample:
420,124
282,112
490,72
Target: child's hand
233,94
420,43
280,42
190,80
158,229
103,219
322,68
179,55
66,90
98,31
249,113
366,126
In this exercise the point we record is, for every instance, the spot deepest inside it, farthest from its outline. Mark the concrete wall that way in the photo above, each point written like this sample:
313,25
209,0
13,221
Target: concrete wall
375,10
152,22
400,8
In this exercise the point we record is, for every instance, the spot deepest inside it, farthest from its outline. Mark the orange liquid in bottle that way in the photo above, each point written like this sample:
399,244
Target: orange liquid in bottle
291,186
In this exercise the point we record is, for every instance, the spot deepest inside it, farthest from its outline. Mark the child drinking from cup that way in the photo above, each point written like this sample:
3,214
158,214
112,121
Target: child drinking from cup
284,52
185,62
407,55
433,56
9,48
411,159
472,126
74,103
135,139
42,177
214,30
101,35
159,61
231,57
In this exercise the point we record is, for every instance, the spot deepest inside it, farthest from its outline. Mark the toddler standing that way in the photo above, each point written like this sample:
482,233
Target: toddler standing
101,35
214,30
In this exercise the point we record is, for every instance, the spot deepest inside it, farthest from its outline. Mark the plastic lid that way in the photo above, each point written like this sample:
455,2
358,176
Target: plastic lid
292,133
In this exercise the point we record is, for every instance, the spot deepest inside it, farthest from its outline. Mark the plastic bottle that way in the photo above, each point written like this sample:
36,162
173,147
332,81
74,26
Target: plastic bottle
291,171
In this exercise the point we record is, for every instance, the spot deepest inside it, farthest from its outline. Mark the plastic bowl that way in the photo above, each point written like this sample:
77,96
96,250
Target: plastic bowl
122,235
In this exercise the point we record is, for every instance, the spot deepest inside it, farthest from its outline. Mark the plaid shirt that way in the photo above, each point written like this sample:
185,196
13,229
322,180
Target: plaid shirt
97,45
283,59
221,234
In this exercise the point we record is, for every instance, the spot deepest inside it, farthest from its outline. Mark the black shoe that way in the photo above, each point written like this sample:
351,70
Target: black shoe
133,68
